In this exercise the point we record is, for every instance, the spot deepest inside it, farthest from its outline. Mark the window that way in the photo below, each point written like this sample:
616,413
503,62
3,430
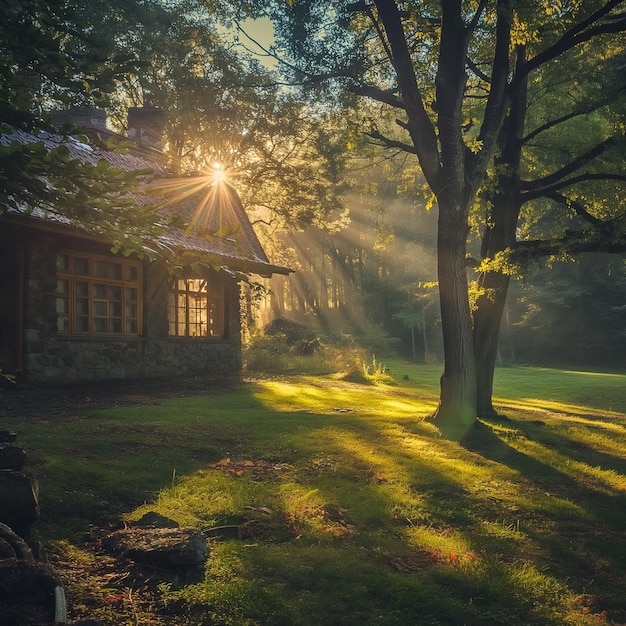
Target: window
98,295
196,308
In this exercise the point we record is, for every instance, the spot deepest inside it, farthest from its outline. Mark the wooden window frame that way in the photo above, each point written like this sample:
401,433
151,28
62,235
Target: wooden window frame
197,308
98,295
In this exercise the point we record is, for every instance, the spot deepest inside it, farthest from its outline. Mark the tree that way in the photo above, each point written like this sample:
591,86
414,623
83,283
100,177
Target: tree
446,68
548,173
50,56
222,106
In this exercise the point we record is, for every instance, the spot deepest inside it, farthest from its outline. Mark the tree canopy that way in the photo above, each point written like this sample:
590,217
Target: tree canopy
512,110
452,71
51,57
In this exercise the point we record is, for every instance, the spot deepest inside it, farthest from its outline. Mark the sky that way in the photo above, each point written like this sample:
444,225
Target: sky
262,31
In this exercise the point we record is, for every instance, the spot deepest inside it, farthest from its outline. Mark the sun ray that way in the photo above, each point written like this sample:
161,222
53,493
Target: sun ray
204,201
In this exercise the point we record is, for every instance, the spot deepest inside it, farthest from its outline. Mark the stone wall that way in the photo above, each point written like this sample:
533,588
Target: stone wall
53,357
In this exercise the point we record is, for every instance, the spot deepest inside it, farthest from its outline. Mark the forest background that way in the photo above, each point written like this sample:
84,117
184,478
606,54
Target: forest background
329,192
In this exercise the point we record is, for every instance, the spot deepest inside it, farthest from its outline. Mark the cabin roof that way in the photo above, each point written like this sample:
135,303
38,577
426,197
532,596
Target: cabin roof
212,220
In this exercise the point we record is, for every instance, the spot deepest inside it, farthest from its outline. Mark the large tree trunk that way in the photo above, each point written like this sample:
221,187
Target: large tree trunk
493,286
499,235
456,412
487,321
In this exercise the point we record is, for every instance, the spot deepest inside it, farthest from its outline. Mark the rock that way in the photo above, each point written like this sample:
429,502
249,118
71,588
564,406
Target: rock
20,505
6,550
13,546
27,594
12,457
161,547
152,519
6,436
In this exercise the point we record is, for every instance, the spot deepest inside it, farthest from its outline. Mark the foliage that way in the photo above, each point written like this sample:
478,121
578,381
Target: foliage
50,57
355,507
9,378
287,346
361,277
453,74
372,372
570,313
553,191
275,354
224,107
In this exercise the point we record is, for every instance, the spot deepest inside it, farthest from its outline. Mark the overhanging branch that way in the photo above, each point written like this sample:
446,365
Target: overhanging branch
579,33
391,143
386,96
545,192
571,243
557,179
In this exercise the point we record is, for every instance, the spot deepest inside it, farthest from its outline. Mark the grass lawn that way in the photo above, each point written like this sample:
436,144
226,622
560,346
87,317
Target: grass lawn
349,507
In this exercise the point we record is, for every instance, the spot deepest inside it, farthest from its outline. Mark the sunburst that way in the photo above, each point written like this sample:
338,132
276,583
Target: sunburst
212,215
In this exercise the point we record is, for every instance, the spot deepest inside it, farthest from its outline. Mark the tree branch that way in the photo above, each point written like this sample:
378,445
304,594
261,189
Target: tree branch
546,191
572,242
496,101
578,209
551,123
579,33
421,128
472,66
471,27
391,143
386,96
582,160
569,182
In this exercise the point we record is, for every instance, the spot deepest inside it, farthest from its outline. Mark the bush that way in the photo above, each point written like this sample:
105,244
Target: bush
286,346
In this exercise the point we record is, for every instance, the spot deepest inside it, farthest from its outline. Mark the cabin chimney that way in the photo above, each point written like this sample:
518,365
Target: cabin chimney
83,117
146,125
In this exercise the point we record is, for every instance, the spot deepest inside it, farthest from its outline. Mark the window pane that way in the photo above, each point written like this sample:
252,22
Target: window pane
103,305
99,290
63,305
115,309
82,324
99,325
82,306
99,269
81,266
191,312
115,326
114,271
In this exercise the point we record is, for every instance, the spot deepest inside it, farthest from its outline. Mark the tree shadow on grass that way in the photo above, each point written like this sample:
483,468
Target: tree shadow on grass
589,537
577,450
483,440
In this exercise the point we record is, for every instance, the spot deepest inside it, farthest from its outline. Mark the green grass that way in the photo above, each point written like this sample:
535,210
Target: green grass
355,509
